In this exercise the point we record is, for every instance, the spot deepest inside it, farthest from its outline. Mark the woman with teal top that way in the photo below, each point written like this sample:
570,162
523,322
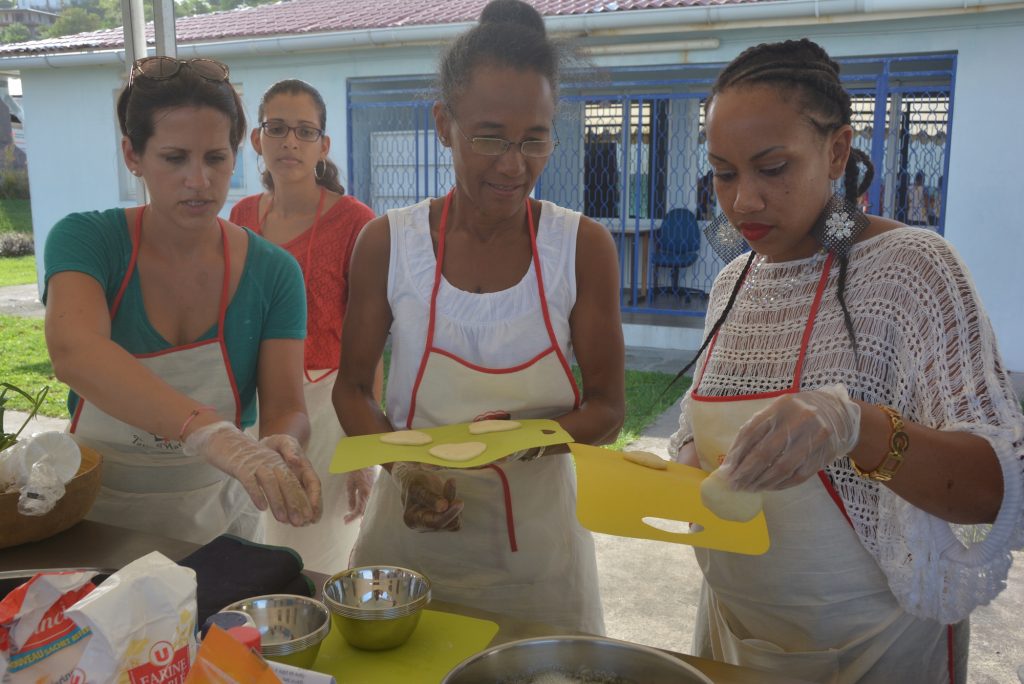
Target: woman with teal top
169,323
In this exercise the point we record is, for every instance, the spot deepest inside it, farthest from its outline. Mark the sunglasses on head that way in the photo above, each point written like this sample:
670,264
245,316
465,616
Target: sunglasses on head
162,68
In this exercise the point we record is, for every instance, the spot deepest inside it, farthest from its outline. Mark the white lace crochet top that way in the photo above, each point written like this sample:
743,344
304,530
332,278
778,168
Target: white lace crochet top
925,347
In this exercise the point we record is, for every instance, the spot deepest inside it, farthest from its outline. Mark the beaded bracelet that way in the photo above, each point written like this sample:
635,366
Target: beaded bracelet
191,416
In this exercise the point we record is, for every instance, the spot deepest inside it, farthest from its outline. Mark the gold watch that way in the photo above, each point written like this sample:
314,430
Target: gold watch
899,442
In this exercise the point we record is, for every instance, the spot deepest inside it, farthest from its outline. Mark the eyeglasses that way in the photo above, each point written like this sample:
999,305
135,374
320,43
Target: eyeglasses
277,129
162,68
495,147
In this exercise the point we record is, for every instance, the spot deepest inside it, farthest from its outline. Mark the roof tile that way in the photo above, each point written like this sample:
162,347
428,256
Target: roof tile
323,16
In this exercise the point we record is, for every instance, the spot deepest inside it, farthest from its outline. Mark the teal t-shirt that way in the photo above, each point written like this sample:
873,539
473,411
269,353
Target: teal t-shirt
270,302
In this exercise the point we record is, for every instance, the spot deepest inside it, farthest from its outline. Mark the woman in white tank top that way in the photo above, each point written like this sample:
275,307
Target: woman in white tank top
487,295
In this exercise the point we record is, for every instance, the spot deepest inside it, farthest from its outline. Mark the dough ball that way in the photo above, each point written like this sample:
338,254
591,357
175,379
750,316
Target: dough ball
726,503
646,458
482,427
406,438
458,451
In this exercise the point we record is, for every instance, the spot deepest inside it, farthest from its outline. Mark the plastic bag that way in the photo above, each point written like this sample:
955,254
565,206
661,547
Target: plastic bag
39,467
143,622
38,642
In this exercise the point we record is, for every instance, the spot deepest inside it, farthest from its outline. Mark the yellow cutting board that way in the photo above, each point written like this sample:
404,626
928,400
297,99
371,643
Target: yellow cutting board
441,641
615,495
353,453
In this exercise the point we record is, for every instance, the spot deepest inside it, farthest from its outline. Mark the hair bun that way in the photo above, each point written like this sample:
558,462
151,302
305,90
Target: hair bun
513,12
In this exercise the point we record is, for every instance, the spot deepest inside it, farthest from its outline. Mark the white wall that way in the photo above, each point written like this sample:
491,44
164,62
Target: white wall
72,148
72,144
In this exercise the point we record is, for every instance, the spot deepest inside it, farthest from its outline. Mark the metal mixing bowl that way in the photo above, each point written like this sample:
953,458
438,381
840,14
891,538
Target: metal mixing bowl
581,658
291,627
376,607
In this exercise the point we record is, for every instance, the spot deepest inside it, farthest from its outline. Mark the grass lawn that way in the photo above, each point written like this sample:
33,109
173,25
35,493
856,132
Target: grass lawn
25,363
16,215
17,270
645,402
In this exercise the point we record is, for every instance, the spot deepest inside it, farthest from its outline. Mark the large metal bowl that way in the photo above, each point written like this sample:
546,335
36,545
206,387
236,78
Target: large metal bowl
579,658
292,627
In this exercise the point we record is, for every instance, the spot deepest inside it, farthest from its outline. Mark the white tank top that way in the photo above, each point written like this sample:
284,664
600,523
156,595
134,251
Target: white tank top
493,329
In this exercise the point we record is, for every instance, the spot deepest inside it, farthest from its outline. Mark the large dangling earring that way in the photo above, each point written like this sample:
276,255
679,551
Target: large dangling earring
261,171
318,171
725,239
839,225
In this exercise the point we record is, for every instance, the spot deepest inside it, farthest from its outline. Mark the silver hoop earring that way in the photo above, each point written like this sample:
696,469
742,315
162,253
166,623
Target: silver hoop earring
261,171
318,173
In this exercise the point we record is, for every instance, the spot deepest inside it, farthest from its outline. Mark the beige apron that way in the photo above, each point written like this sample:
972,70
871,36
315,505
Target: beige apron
816,606
325,546
520,550
148,483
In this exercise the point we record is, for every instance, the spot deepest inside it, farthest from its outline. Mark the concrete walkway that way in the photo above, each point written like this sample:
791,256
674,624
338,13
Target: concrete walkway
649,589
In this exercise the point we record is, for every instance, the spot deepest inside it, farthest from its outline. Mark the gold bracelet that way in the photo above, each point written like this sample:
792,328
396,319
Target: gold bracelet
899,442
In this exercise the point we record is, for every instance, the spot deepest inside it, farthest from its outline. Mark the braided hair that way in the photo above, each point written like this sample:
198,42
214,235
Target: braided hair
800,69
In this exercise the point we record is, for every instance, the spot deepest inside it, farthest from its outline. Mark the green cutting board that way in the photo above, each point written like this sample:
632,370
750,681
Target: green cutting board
441,641
353,453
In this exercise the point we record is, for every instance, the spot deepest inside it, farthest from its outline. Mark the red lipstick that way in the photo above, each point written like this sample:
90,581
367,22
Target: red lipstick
753,232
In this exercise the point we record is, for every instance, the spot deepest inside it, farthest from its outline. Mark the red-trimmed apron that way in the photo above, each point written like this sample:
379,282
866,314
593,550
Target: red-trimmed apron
816,606
148,483
520,550
324,547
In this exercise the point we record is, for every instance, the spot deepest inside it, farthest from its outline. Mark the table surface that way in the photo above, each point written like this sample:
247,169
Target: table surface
95,545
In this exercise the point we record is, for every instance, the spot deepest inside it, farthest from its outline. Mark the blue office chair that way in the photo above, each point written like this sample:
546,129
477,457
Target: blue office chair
677,246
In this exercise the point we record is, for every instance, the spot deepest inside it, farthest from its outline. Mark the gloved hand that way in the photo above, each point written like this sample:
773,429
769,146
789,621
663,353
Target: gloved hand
793,438
358,484
265,474
429,500
295,457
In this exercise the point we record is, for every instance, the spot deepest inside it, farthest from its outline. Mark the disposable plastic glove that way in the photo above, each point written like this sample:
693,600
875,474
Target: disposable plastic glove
429,500
358,484
266,476
295,457
793,438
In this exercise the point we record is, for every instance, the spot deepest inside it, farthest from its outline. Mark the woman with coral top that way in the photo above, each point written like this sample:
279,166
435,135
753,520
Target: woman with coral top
306,211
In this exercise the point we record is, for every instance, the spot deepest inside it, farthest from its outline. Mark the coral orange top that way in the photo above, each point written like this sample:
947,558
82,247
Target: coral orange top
323,251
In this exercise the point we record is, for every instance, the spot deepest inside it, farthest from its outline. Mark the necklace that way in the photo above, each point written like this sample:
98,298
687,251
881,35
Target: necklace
770,292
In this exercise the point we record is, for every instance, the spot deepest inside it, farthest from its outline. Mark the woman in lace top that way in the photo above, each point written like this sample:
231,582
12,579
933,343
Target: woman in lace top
854,379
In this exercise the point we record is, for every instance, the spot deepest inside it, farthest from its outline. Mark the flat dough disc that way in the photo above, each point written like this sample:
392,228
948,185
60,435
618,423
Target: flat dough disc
727,503
406,438
646,458
482,427
458,451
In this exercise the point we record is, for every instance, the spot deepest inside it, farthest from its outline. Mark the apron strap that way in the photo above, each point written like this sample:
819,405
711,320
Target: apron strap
804,343
510,523
544,308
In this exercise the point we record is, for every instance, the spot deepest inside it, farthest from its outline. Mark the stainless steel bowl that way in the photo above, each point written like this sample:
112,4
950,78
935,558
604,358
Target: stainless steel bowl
579,658
376,635
376,607
291,627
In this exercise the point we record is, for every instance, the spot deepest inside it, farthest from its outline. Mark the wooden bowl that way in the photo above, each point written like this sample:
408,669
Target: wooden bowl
79,495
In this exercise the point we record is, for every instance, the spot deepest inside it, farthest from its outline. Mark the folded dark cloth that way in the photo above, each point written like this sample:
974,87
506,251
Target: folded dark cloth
230,569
